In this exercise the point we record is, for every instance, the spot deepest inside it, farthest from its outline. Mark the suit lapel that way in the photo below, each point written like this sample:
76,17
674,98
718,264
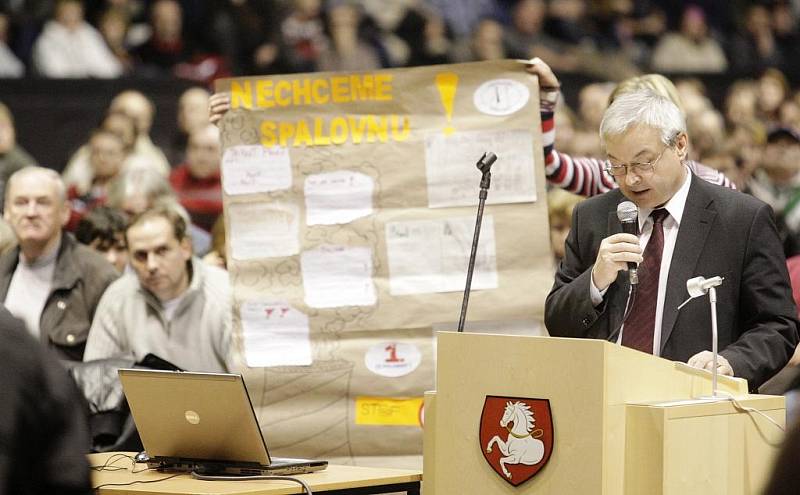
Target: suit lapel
698,217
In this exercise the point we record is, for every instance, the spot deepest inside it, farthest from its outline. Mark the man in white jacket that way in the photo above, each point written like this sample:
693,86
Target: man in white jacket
174,306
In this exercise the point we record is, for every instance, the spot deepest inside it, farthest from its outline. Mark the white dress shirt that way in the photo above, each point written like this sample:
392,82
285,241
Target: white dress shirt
672,223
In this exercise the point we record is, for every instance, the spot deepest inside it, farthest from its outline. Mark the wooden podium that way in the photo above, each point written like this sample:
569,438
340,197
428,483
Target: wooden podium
624,422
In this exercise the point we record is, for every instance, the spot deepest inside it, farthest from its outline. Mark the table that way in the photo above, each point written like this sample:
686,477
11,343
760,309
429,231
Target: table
335,480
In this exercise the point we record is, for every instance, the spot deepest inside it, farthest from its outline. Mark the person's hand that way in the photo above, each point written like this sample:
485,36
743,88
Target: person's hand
704,360
547,79
218,105
614,254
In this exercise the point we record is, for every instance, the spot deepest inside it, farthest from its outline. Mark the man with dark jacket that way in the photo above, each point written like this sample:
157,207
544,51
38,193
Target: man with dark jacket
43,434
49,281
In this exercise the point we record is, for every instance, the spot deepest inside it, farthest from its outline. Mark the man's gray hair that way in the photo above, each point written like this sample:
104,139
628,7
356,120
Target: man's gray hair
61,189
642,107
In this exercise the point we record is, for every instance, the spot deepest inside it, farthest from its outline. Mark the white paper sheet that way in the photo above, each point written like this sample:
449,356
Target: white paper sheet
335,276
249,169
263,230
432,255
338,197
275,334
453,179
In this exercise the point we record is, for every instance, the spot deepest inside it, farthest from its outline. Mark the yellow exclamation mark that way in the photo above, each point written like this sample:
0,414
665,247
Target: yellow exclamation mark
446,83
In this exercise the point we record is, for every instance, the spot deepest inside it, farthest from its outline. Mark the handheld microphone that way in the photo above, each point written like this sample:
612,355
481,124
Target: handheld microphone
628,215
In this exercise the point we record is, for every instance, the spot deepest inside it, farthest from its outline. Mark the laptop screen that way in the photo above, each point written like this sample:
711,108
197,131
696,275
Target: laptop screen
198,416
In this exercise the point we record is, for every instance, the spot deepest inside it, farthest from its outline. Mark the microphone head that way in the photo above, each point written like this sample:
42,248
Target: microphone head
627,212
486,161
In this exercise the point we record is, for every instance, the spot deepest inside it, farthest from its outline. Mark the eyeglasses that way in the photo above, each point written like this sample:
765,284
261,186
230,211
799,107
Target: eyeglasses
638,168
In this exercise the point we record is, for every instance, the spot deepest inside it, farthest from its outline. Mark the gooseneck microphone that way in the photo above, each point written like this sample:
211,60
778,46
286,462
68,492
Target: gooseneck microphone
628,215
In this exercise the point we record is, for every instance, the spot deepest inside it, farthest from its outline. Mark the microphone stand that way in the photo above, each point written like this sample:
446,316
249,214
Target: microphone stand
712,299
484,165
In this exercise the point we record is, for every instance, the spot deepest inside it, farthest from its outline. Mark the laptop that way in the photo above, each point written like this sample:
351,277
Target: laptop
202,422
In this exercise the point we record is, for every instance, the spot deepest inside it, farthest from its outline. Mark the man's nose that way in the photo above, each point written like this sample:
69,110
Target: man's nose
152,261
632,179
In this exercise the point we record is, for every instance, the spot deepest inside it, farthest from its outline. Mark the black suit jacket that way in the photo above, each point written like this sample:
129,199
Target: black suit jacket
722,232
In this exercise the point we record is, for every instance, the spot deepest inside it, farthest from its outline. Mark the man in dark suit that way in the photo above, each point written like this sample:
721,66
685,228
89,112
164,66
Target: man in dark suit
688,228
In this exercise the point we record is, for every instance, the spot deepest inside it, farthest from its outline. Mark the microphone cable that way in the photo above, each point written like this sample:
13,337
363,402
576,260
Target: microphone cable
628,306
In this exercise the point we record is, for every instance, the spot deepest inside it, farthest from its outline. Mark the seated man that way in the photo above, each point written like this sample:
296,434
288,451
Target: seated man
689,228
174,306
49,281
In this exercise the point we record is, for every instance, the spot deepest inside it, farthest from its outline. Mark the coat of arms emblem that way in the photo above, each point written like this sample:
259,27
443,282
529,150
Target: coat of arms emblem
516,436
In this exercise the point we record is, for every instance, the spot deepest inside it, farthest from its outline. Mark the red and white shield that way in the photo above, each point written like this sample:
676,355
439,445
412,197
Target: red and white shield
516,436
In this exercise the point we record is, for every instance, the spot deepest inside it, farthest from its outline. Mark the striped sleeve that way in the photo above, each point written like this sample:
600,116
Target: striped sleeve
584,176
710,175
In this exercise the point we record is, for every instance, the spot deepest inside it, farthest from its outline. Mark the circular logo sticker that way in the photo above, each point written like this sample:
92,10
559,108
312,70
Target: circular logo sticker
392,359
501,96
192,417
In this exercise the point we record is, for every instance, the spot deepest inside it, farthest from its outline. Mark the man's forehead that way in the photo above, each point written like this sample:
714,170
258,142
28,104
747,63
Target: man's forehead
150,233
33,185
634,140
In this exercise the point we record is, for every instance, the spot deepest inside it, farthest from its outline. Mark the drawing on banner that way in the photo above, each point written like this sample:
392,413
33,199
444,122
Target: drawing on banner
432,255
338,197
336,276
263,230
501,97
274,334
447,83
453,178
249,169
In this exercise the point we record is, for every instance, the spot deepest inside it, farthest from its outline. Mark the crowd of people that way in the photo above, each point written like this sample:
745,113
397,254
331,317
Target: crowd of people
204,40
129,235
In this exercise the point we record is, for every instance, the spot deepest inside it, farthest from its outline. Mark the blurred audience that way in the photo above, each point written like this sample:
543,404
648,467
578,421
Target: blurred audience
197,182
71,47
12,156
192,114
103,229
692,49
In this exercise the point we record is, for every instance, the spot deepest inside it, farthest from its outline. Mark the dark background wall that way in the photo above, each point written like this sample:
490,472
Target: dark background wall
54,117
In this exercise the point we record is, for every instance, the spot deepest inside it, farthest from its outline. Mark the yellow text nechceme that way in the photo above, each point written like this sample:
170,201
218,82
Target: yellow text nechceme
266,93
355,129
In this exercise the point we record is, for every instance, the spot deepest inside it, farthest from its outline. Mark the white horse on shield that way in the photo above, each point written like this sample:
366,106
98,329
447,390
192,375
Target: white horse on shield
520,446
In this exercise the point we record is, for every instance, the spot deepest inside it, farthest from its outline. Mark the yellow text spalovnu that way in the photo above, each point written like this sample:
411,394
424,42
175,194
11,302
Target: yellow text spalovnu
355,129
268,93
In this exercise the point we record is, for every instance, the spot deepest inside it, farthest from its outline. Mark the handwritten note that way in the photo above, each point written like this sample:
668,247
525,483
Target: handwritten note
453,179
336,276
275,334
249,169
338,197
263,230
432,255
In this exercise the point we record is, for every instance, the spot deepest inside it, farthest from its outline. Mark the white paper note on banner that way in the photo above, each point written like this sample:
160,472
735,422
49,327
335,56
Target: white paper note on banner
249,169
432,255
335,276
275,334
453,179
263,230
338,197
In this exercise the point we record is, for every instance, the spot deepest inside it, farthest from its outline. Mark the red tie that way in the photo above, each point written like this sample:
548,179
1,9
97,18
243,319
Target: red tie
640,325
